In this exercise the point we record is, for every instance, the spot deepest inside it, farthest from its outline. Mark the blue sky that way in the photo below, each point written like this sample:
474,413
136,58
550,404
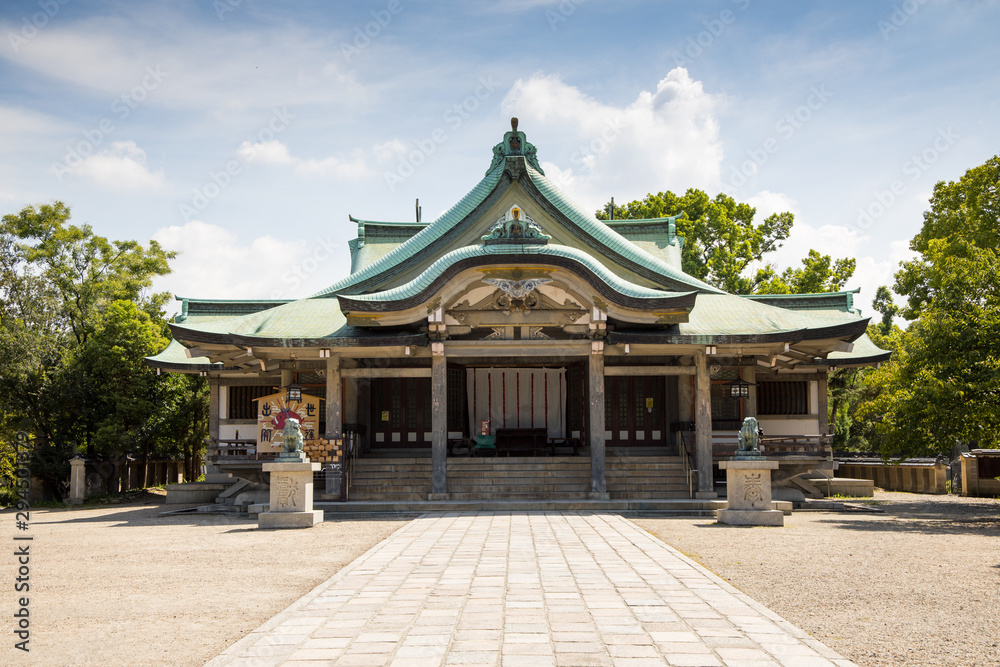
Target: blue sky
243,133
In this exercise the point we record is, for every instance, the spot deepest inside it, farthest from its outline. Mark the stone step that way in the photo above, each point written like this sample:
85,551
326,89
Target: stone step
661,507
517,488
510,495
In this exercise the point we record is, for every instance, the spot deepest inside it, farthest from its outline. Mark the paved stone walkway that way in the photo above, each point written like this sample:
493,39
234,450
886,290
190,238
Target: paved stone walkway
523,589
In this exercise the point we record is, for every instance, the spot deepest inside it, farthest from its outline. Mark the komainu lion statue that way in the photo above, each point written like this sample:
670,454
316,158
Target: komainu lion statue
749,436
292,436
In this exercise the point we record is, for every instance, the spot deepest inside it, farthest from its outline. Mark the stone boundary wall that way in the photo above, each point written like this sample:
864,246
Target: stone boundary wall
912,477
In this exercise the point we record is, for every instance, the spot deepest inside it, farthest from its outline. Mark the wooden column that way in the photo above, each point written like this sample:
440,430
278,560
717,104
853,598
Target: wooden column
822,408
598,485
334,398
703,427
287,377
439,423
213,473
750,405
213,410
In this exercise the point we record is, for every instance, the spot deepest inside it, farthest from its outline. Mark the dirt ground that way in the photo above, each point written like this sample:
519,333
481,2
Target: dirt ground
125,585
916,585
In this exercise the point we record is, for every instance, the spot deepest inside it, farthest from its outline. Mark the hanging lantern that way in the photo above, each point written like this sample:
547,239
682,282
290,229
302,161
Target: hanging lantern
294,393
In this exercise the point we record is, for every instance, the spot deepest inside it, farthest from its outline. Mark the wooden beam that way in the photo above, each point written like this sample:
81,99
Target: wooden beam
386,372
647,370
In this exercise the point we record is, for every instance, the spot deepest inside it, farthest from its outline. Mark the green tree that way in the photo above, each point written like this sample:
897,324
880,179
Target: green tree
77,316
819,273
942,386
723,244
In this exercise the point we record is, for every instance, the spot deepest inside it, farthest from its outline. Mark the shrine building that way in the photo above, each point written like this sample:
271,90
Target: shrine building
517,325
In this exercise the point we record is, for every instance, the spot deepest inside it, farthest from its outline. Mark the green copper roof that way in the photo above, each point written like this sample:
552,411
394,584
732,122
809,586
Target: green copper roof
727,314
864,352
307,318
175,357
422,239
425,279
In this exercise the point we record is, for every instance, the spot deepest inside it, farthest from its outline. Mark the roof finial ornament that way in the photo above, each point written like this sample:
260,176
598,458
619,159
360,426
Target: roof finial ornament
515,144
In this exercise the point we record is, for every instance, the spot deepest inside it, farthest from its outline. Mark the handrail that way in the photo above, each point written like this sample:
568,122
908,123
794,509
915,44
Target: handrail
686,460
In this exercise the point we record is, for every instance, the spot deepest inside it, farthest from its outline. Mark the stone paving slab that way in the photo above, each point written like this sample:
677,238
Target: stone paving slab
518,589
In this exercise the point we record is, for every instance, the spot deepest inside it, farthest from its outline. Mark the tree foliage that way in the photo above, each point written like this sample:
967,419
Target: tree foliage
942,386
77,319
725,247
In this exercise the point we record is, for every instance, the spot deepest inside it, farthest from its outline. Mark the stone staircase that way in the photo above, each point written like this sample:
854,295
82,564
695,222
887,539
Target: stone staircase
395,480
519,478
646,477
390,479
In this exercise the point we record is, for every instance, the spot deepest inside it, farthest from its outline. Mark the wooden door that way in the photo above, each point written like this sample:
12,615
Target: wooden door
635,412
401,412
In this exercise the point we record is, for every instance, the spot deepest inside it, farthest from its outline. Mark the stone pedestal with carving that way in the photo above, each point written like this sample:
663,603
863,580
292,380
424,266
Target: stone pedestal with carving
291,496
748,484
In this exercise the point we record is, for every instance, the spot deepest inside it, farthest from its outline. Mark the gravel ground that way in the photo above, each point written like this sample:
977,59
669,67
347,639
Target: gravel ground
916,585
123,585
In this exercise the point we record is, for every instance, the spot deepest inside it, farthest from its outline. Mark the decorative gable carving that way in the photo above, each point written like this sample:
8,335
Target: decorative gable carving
515,226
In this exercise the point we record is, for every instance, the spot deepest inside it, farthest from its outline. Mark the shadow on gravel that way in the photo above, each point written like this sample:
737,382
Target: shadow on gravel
151,515
927,517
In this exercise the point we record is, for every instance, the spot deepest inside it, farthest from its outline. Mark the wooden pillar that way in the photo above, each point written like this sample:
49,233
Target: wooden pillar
821,408
213,473
287,377
703,427
439,423
750,405
598,484
334,406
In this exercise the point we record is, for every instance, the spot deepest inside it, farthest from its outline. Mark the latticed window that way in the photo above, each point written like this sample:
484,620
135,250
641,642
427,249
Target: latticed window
241,401
640,406
724,406
396,412
783,398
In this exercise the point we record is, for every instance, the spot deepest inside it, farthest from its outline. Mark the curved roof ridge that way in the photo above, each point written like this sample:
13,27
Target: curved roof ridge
431,232
610,237
429,274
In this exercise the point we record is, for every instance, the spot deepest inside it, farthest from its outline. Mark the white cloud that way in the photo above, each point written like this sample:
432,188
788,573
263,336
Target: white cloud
768,203
115,54
389,150
275,152
266,152
213,263
122,166
665,139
